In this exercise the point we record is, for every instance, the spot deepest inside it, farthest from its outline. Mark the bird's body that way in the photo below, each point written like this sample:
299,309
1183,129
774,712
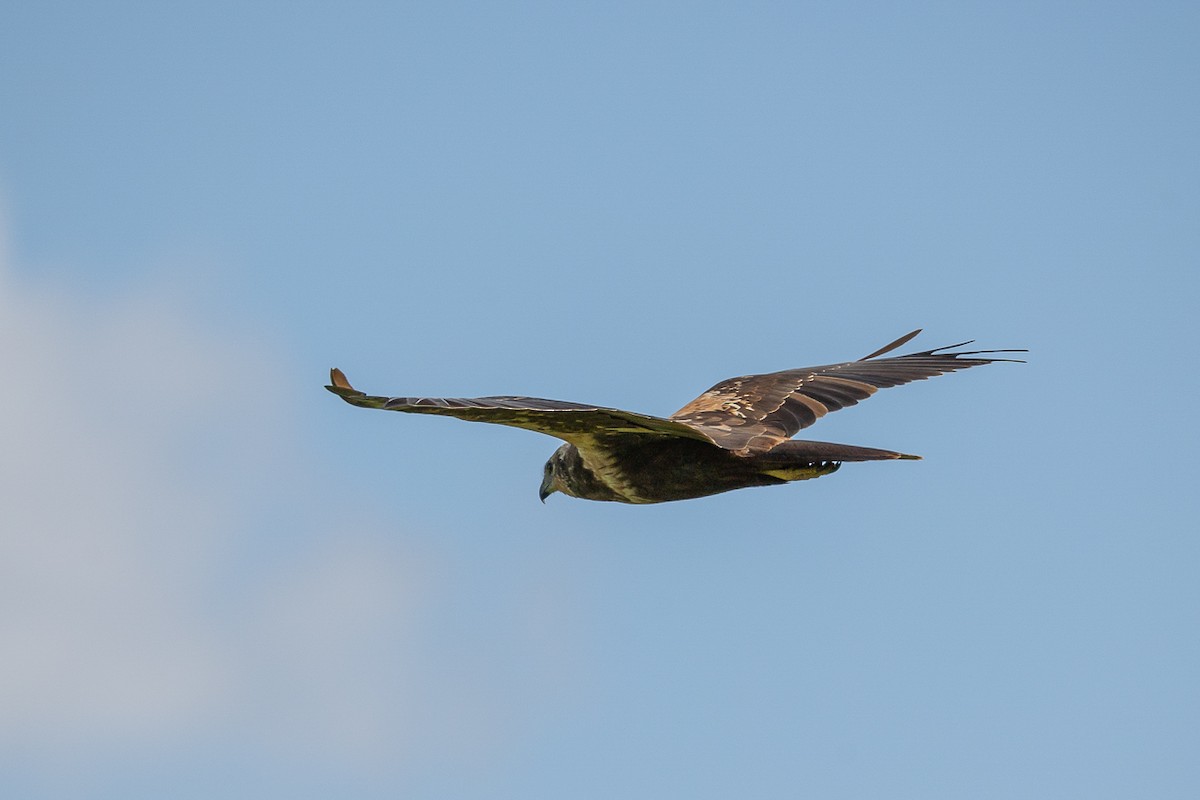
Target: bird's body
660,470
655,471
735,435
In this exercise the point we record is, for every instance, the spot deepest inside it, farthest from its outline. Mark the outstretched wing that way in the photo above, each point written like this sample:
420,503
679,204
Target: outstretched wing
754,413
581,425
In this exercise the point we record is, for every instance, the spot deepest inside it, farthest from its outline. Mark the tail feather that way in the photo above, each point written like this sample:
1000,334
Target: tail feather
792,452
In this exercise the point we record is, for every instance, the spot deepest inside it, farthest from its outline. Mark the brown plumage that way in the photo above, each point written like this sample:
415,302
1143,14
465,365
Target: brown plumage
736,434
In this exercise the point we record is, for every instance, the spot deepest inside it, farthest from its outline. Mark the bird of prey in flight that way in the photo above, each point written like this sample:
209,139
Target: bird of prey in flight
737,434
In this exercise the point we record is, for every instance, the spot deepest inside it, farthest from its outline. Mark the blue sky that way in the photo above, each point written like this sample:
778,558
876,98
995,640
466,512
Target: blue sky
218,580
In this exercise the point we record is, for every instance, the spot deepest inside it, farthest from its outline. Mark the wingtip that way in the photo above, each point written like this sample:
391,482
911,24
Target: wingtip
887,348
339,385
338,379
908,457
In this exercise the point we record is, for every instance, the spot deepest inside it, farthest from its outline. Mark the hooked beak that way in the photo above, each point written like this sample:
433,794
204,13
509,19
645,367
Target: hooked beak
547,488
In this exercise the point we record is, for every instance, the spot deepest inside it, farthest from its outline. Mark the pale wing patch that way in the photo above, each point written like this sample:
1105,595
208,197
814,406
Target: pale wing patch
752,414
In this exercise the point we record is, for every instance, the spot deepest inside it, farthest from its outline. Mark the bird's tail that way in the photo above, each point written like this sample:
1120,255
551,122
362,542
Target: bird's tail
795,452
800,460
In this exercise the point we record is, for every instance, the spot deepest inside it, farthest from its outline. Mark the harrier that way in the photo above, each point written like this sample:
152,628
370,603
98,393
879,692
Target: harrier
737,434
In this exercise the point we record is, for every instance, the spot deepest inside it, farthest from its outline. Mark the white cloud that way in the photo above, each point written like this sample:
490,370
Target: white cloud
100,538
140,600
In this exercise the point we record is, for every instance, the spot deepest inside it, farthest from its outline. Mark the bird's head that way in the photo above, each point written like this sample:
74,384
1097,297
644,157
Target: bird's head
552,474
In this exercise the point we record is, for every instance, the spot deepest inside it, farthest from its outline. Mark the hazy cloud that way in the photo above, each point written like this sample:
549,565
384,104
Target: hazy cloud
145,596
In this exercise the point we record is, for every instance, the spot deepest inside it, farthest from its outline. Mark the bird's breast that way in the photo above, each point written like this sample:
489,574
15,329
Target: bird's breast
607,469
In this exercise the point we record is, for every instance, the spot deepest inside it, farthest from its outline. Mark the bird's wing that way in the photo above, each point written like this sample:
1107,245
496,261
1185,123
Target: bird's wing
581,425
754,413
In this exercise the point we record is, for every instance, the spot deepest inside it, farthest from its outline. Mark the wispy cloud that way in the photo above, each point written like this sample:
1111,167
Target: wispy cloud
105,537
145,596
